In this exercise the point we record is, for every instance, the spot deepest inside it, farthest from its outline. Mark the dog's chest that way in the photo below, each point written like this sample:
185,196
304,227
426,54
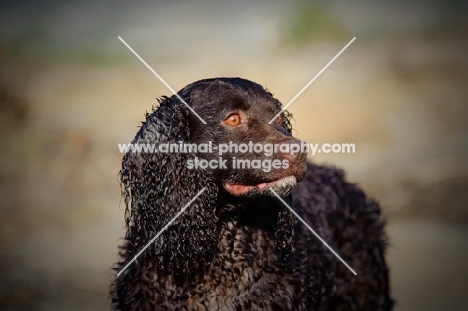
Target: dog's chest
243,274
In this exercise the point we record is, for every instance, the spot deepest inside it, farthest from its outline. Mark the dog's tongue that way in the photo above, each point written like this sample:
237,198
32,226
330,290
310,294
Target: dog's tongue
238,189
261,186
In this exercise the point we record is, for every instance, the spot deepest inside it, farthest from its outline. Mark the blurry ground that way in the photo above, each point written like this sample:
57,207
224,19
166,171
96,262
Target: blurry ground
70,91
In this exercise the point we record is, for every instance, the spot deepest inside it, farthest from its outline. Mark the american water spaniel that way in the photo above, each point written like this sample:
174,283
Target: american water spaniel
237,246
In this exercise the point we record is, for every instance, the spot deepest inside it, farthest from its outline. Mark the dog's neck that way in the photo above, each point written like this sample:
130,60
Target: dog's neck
261,212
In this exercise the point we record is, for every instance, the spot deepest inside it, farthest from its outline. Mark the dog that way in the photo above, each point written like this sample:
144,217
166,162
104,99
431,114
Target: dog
237,245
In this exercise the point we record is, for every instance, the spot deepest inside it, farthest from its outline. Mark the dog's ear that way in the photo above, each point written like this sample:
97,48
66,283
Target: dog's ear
155,187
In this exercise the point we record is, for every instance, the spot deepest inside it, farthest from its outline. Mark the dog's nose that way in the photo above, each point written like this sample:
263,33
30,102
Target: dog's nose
293,149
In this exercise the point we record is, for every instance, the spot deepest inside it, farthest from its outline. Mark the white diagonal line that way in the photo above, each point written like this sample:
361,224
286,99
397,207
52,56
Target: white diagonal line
313,79
161,79
161,231
312,230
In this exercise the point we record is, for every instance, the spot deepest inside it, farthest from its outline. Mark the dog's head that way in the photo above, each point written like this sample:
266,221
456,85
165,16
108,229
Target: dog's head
237,114
243,152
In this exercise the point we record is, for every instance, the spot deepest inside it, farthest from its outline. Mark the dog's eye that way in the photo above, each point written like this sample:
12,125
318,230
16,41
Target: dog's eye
279,119
233,120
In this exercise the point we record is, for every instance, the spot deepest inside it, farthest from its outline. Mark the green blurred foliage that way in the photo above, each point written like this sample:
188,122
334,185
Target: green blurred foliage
35,46
311,21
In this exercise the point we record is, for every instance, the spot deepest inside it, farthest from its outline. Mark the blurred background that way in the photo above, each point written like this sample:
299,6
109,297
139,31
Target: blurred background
70,91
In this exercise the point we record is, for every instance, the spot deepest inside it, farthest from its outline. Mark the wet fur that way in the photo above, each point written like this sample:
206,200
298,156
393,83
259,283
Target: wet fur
241,253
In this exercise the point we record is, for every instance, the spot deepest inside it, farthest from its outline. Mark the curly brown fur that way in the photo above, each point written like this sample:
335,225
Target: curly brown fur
236,247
